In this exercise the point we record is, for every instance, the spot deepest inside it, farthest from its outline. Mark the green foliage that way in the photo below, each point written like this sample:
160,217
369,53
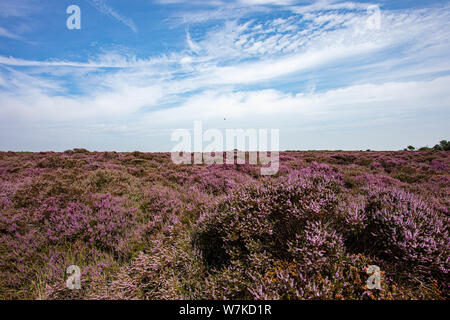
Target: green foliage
444,145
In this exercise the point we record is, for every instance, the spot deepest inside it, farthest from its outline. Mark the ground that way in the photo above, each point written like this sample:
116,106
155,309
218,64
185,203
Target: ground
140,227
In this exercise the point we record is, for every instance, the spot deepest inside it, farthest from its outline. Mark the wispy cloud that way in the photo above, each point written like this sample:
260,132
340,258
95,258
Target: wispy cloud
330,5
18,8
110,60
217,3
267,2
252,51
254,70
102,7
9,34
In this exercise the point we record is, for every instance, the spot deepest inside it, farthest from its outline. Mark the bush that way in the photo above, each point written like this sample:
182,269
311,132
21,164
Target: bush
308,232
402,230
265,217
284,223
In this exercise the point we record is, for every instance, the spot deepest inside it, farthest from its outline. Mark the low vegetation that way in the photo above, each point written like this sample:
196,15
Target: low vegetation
140,227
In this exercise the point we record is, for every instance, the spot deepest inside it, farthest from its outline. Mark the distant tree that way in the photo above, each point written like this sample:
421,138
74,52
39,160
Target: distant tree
444,145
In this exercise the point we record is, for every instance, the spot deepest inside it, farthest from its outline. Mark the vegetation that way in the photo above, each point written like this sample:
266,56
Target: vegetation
140,227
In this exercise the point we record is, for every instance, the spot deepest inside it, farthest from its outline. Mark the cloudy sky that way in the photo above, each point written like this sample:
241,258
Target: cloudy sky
328,74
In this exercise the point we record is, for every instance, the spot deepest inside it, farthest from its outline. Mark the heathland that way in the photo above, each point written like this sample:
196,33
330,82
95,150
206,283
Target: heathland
140,227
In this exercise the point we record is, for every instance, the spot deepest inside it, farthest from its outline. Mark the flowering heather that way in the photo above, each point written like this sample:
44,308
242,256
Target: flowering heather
141,227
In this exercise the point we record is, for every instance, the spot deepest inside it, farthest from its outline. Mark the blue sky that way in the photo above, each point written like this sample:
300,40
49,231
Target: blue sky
320,71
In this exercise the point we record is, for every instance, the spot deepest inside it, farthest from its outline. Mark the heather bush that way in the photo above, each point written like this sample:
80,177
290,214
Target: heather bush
438,165
303,223
101,224
169,269
141,227
216,180
285,220
265,216
402,230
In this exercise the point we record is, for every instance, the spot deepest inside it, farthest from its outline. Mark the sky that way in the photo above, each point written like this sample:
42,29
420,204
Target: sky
335,75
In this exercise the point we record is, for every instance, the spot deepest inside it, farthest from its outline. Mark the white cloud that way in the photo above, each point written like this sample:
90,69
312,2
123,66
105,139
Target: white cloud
101,6
191,44
233,72
18,8
9,34
272,69
266,2
108,60
217,3
275,108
